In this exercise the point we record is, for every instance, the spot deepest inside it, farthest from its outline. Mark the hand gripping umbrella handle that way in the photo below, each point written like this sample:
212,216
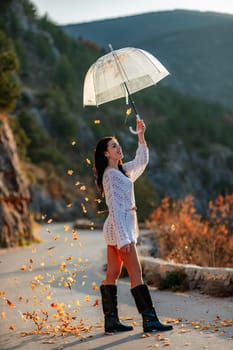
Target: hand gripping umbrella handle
135,132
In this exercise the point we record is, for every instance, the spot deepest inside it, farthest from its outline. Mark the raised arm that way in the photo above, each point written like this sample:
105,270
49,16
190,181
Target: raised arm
135,167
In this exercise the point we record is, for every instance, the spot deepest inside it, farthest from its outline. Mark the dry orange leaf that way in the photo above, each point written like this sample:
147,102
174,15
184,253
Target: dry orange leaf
70,172
9,303
63,266
74,235
3,314
146,335
84,208
54,305
87,298
23,268
96,303
39,277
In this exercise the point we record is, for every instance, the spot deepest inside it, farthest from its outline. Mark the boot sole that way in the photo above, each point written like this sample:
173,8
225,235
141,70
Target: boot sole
112,331
146,330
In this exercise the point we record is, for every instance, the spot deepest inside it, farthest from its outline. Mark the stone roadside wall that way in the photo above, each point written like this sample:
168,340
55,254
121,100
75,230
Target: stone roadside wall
208,280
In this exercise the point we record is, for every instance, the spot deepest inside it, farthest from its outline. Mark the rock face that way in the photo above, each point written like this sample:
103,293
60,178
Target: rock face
208,280
15,222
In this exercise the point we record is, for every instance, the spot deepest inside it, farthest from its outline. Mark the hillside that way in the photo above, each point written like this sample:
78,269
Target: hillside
190,140
196,47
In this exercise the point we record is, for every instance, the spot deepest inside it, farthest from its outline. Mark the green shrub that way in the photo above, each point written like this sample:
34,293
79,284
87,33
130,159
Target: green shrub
174,280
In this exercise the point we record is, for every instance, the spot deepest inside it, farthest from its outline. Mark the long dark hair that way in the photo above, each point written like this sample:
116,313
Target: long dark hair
101,161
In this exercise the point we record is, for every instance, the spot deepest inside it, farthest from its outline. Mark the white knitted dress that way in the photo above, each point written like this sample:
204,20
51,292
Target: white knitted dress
121,226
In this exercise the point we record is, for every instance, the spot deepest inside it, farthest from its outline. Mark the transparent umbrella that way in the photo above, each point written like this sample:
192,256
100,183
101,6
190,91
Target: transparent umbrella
119,74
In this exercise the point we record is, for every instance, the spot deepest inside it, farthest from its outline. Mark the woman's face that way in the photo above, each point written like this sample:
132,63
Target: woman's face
114,150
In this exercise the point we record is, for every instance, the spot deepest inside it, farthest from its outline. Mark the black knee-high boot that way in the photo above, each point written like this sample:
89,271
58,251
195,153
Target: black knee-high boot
109,303
145,307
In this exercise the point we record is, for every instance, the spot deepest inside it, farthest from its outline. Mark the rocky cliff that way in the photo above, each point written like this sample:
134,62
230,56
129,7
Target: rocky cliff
15,222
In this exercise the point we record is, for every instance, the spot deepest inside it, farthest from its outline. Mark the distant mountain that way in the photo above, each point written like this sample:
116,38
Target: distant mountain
196,47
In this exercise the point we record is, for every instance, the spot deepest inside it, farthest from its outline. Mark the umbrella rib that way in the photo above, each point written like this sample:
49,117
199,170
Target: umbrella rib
121,70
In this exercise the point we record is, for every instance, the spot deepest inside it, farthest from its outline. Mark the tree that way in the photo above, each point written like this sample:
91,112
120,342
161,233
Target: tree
9,87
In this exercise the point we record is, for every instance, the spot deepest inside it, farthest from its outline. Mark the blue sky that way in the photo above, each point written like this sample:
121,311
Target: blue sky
78,11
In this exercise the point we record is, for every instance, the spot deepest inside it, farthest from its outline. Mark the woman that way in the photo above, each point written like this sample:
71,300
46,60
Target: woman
115,180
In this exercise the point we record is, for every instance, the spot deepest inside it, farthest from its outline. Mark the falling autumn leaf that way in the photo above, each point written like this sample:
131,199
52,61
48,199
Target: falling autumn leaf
70,172
50,248
54,305
96,303
63,266
77,303
9,303
56,237
83,208
39,277
87,298
128,111
94,286
97,121
23,268
74,235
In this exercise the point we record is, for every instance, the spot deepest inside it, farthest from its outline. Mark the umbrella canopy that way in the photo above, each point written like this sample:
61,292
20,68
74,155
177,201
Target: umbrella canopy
121,73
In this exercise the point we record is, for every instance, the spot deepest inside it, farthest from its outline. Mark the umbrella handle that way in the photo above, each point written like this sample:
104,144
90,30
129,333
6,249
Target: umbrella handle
135,132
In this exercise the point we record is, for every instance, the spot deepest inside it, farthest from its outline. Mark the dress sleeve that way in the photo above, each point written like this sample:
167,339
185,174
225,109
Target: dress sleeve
115,202
135,167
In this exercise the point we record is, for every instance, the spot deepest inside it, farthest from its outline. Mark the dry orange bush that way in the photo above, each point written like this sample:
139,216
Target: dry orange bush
186,237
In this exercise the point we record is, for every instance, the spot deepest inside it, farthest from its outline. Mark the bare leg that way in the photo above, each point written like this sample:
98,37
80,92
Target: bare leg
114,265
132,264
